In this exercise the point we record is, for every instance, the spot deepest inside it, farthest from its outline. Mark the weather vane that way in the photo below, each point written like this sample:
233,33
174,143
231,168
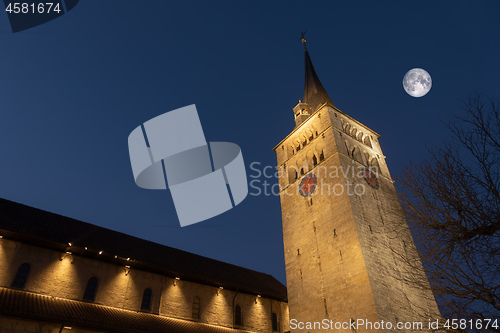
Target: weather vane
303,38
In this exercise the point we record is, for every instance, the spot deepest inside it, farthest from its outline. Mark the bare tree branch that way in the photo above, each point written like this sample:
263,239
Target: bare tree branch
452,204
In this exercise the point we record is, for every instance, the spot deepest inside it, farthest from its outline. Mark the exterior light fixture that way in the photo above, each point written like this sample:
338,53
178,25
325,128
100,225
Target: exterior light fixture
177,278
67,253
221,287
128,259
1,236
70,244
100,252
116,257
85,248
68,327
258,296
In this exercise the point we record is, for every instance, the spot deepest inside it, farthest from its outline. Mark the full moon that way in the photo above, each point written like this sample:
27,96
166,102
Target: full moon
417,82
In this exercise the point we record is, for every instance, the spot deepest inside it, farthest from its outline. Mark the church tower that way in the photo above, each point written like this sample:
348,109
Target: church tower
349,253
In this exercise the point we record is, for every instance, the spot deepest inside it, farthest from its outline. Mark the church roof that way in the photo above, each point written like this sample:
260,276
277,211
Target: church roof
314,93
77,314
34,226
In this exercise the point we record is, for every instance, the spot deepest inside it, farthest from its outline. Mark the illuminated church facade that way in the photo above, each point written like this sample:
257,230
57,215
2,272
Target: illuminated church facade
58,274
349,253
343,229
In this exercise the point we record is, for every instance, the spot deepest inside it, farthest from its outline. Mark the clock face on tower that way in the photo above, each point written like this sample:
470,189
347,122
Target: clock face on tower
308,185
371,179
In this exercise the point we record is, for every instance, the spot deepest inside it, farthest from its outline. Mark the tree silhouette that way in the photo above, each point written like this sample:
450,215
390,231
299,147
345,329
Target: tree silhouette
452,203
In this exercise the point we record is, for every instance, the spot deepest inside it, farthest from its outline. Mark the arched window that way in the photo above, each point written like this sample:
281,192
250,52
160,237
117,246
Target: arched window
146,299
275,322
21,276
196,308
238,320
91,290
322,156
347,128
302,171
315,160
367,141
295,174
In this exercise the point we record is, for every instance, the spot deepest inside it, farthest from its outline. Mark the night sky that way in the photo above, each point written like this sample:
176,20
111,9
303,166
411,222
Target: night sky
74,88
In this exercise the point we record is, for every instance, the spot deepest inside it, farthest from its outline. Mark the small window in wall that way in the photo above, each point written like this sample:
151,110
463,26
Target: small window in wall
322,156
146,299
196,308
21,276
91,290
315,160
367,141
275,322
238,320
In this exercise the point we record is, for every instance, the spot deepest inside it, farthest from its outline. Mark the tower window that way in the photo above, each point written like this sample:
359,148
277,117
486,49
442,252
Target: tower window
196,308
302,172
274,319
146,299
238,320
367,141
315,160
322,156
91,290
21,276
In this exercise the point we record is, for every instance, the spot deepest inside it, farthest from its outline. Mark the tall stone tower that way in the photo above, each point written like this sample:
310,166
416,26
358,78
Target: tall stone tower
348,251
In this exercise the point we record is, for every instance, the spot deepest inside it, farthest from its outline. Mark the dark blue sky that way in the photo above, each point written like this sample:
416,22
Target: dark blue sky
74,88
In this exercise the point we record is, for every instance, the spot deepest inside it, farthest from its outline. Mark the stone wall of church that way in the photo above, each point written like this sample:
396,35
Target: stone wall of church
340,241
401,292
123,288
326,276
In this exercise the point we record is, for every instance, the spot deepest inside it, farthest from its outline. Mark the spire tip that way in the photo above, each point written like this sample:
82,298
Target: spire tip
303,38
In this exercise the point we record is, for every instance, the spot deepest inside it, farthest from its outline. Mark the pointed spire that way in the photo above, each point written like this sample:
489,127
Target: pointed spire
314,93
